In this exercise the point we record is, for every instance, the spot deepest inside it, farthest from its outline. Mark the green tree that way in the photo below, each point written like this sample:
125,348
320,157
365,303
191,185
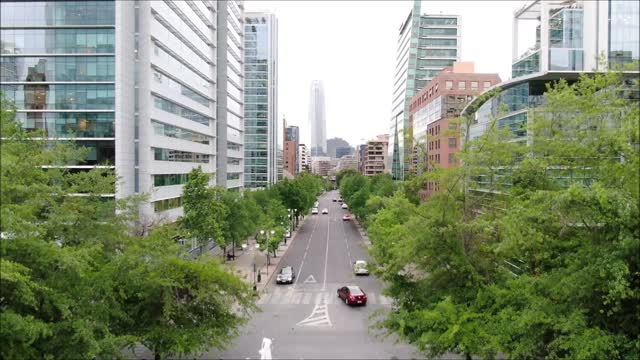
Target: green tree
76,284
240,221
176,307
342,174
546,264
205,213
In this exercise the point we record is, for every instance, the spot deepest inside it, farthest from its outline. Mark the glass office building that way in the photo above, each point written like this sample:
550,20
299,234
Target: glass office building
136,82
58,67
426,45
575,36
261,99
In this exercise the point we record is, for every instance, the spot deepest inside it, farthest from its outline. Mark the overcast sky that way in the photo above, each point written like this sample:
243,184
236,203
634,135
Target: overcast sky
350,46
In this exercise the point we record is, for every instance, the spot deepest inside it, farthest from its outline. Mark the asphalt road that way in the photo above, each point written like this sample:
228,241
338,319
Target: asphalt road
307,320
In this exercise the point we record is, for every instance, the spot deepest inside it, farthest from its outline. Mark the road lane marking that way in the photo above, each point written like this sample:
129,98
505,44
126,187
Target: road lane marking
295,282
310,280
326,258
319,317
344,232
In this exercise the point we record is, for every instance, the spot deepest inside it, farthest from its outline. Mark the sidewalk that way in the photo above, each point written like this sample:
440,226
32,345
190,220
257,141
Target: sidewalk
242,266
363,233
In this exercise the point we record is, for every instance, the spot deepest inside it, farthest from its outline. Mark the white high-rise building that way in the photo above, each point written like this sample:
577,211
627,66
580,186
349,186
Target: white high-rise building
260,99
317,121
426,45
152,88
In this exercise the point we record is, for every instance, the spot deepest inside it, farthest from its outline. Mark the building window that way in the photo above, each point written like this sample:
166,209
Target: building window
453,142
449,84
474,85
486,84
436,88
169,179
452,158
462,85
167,204
452,126
179,156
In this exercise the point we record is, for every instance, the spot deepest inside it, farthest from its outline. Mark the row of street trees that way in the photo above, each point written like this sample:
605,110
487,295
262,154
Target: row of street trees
539,261
77,280
229,217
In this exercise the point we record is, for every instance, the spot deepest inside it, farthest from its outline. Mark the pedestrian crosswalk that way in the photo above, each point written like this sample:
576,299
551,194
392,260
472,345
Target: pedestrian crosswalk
289,296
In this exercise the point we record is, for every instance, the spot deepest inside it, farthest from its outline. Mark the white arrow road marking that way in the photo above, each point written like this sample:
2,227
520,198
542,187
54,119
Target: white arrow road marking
319,317
310,280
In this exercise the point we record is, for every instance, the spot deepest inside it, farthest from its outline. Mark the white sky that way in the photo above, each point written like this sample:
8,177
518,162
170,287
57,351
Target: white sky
351,47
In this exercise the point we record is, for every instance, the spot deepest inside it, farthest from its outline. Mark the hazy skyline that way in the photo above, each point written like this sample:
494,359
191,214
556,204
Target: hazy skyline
351,45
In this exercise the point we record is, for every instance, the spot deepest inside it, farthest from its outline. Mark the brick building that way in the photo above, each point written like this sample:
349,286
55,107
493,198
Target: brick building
436,137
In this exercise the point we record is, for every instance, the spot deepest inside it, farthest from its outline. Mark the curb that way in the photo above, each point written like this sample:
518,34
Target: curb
294,234
363,234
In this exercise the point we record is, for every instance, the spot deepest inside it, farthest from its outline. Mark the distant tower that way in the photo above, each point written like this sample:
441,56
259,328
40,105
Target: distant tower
317,121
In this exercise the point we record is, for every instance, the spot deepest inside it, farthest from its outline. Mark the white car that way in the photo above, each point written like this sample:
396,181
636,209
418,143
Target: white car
344,206
314,211
325,211
360,267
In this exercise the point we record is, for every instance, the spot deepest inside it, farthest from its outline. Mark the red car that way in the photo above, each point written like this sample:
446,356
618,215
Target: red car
346,217
352,295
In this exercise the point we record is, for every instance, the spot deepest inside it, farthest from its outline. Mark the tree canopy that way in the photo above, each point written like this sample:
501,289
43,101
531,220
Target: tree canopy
529,251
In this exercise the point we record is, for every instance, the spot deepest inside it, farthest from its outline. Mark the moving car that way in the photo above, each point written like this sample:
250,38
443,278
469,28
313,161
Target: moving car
286,275
339,200
346,217
360,267
344,206
334,199
325,211
352,295
314,211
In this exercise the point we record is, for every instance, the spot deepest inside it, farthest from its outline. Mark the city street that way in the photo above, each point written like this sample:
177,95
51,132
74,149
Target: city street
307,320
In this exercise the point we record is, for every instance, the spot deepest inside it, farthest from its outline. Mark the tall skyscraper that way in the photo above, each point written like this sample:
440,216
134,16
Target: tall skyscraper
145,85
317,121
426,45
260,99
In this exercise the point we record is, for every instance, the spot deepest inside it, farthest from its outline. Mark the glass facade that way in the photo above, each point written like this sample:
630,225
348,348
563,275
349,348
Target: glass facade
179,110
70,124
170,179
178,133
61,97
57,13
62,68
179,156
565,40
624,39
527,65
58,41
167,204
259,108
43,42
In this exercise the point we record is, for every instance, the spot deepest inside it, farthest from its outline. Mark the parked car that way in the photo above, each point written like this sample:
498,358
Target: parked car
334,199
344,206
325,211
352,295
346,217
339,200
286,275
314,211
360,267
